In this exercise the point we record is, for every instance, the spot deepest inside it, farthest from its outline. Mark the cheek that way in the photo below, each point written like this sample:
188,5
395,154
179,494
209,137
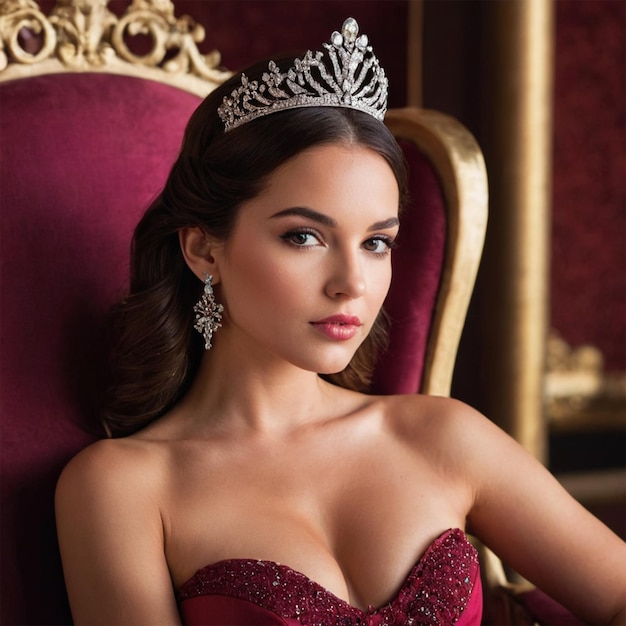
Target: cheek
244,274
258,276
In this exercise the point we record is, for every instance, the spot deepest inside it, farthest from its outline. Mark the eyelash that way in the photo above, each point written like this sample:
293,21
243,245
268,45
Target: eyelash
288,237
391,244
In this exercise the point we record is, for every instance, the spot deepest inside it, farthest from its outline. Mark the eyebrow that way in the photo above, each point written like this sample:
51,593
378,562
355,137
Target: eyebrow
389,223
326,220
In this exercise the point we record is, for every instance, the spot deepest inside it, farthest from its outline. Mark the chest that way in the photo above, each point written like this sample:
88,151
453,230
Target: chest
351,515
443,587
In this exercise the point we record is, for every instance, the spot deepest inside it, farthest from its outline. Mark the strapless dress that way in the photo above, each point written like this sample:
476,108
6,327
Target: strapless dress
443,588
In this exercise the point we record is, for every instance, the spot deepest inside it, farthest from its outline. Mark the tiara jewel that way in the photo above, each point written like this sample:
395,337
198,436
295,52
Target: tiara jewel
349,75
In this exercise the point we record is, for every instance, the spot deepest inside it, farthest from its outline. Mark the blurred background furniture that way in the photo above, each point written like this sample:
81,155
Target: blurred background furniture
585,409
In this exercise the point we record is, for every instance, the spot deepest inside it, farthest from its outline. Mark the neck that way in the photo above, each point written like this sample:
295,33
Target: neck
235,393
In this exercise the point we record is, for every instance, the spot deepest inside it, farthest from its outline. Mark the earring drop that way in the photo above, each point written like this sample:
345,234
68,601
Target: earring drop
208,313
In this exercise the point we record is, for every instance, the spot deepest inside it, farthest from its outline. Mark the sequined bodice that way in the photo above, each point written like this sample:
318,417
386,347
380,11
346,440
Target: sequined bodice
443,588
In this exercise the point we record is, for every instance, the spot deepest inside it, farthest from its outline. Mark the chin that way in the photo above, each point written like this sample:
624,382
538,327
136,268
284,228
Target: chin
332,362
335,368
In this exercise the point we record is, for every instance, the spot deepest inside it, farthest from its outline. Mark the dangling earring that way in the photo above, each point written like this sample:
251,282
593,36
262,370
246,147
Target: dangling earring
208,313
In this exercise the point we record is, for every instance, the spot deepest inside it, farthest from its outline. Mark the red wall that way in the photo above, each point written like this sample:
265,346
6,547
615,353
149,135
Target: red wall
589,214
245,31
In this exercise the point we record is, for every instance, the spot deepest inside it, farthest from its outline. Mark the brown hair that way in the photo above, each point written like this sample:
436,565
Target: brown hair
156,352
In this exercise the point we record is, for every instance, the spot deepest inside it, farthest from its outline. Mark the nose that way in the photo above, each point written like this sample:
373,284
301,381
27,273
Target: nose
347,277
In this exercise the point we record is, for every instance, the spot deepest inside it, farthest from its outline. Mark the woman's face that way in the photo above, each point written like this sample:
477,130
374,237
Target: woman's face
308,265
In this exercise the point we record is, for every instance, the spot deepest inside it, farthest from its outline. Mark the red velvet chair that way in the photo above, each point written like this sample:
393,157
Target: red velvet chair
88,134
73,186
87,140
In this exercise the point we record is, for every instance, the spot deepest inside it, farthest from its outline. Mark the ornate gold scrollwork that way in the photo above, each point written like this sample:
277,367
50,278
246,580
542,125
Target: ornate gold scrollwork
16,15
83,31
156,18
579,394
573,376
83,35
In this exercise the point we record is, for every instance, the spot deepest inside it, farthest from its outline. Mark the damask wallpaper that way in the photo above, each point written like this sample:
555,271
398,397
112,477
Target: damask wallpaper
588,272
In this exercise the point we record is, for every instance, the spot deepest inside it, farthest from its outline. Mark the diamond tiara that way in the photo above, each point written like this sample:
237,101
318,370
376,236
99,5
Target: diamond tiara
350,76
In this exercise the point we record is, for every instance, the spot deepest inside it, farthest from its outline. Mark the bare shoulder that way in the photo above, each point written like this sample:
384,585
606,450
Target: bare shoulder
109,457
110,525
111,469
454,437
411,409
426,420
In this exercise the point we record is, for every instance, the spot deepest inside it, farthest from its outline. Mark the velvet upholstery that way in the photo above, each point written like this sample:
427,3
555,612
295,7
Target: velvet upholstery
417,264
82,156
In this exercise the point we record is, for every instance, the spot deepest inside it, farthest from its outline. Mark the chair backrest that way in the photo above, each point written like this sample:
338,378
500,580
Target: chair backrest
87,138
435,266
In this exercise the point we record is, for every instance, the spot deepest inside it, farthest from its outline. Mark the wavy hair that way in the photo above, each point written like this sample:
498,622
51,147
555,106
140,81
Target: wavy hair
156,353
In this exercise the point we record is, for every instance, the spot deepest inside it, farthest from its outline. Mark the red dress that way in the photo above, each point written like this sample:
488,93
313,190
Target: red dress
443,588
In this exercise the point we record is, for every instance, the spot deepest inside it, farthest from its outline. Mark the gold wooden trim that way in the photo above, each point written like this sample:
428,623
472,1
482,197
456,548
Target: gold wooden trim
499,593
457,159
84,36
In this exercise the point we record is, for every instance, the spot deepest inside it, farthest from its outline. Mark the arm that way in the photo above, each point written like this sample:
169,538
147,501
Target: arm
522,513
111,538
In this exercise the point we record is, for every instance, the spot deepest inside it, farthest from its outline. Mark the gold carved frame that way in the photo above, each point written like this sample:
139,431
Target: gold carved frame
84,36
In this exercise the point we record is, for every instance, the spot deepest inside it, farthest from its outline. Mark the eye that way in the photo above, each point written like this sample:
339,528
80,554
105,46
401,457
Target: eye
301,238
380,245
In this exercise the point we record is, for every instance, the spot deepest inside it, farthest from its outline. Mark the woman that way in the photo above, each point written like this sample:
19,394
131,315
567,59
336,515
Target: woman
251,444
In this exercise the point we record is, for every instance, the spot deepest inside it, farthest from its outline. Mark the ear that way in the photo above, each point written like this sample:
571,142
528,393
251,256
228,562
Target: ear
197,247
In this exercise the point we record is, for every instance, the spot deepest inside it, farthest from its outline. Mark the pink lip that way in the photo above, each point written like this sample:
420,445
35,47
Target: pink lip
340,327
